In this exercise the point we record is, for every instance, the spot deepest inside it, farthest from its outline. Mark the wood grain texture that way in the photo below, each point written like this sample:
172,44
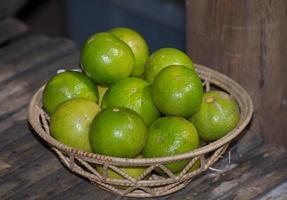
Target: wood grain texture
27,175
15,94
247,40
86,191
45,52
24,159
22,45
15,137
18,52
49,186
21,152
278,193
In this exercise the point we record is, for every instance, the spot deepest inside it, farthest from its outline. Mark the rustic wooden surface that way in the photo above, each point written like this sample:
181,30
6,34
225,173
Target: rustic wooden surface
10,28
246,40
29,170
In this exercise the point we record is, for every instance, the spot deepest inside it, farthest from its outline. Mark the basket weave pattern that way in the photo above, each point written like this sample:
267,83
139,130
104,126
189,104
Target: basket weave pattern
149,184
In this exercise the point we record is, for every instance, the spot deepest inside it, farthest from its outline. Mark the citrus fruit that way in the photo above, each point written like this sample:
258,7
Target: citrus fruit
71,122
106,59
162,58
196,165
102,91
134,172
118,132
133,93
65,86
177,90
218,114
169,136
138,46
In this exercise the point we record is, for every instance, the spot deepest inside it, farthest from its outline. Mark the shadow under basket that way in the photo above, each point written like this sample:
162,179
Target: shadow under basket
149,183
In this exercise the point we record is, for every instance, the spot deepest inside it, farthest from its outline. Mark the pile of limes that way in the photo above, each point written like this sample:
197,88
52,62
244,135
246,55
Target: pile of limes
130,104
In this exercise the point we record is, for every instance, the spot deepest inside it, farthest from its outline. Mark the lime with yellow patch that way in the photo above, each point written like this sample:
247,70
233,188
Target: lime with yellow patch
218,114
71,123
169,136
134,172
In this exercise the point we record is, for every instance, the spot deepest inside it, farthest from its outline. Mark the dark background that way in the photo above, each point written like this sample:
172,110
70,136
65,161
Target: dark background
161,22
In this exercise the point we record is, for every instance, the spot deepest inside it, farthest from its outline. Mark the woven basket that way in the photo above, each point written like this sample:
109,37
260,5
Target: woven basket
149,184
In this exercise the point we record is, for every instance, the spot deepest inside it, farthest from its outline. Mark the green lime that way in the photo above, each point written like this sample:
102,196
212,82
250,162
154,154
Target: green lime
134,172
169,136
133,93
71,122
106,59
218,114
65,86
196,165
162,58
118,132
138,46
177,90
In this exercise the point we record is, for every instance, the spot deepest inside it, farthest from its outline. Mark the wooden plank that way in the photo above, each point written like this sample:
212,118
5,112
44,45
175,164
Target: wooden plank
21,152
44,53
14,128
16,94
28,162
17,130
85,191
48,187
10,28
278,193
21,46
29,174
246,40
8,126
11,120
15,52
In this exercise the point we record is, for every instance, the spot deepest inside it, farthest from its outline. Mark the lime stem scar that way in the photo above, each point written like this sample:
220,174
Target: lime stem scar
116,109
210,100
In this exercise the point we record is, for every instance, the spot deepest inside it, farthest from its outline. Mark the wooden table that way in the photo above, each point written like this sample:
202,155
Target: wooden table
29,170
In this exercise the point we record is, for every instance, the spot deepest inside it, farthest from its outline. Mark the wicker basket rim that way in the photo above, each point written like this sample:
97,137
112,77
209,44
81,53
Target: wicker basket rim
241,97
